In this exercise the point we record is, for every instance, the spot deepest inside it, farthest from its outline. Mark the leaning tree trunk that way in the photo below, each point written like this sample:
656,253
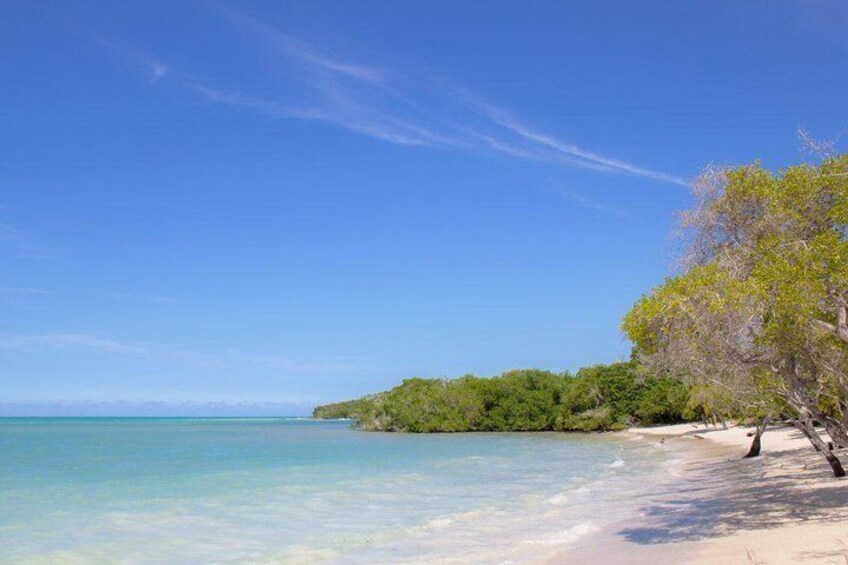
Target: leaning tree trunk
807,428
756,445
808,406
835,429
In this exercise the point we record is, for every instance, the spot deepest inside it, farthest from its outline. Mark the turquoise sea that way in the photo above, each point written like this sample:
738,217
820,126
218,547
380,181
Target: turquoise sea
289,490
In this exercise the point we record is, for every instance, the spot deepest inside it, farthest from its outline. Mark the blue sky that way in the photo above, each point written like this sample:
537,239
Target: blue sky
283,203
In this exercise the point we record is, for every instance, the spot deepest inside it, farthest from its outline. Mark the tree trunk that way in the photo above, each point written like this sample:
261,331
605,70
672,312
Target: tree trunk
841,327
755,446
807,435
808,406
757,443
835,429
806,426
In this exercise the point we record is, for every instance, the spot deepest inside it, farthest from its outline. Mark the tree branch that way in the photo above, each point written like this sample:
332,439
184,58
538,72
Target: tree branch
840,330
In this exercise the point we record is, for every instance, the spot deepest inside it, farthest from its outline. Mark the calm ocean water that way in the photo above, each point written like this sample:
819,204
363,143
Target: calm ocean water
269,490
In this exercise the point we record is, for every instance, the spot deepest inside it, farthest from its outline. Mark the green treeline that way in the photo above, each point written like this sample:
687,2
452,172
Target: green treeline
599,398
753,327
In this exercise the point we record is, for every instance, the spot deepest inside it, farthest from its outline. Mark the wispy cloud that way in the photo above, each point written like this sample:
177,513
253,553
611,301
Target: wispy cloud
157,69
386,129
217,360
398,108
154,68
300,50
572,150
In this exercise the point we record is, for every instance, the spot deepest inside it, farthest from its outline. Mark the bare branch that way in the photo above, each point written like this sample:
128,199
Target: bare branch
820,148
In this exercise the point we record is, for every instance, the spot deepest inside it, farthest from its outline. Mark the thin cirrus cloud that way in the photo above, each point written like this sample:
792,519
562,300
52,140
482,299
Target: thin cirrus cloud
95,344
398,108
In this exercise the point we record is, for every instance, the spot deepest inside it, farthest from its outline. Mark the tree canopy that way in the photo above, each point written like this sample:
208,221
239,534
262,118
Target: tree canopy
760,310
598,398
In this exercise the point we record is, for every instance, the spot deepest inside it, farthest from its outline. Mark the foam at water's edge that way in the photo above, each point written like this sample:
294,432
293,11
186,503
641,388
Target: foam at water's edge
557,499
567,536
448,520
275,490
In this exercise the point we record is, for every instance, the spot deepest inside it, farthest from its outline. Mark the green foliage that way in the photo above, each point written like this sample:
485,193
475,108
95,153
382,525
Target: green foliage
431,405
350,409
599,398
614,385
600,419
520,400
613,397
759,314
663,401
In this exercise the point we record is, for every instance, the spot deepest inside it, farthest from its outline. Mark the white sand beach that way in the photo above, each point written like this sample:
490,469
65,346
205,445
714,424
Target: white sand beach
782,507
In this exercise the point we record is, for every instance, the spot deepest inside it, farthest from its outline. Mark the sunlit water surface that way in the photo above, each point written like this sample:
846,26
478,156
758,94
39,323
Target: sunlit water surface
270,490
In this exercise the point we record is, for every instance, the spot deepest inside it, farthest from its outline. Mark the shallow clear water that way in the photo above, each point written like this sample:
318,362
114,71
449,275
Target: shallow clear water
268,490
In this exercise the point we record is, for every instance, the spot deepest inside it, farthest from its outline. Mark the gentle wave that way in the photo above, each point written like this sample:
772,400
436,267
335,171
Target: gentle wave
567,536
256,491
559,498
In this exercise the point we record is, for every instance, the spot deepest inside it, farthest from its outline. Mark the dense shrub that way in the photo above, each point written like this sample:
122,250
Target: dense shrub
353,409
602,397
663,401
598,398
520,400
431,405
601,418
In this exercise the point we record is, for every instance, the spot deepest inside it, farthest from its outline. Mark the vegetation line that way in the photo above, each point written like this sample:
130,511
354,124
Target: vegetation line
755,327
600,398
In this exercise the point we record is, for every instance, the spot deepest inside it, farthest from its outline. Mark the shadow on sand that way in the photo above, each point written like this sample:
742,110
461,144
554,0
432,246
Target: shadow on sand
734,494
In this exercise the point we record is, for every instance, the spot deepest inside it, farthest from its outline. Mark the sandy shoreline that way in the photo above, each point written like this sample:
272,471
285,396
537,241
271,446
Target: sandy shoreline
782,507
